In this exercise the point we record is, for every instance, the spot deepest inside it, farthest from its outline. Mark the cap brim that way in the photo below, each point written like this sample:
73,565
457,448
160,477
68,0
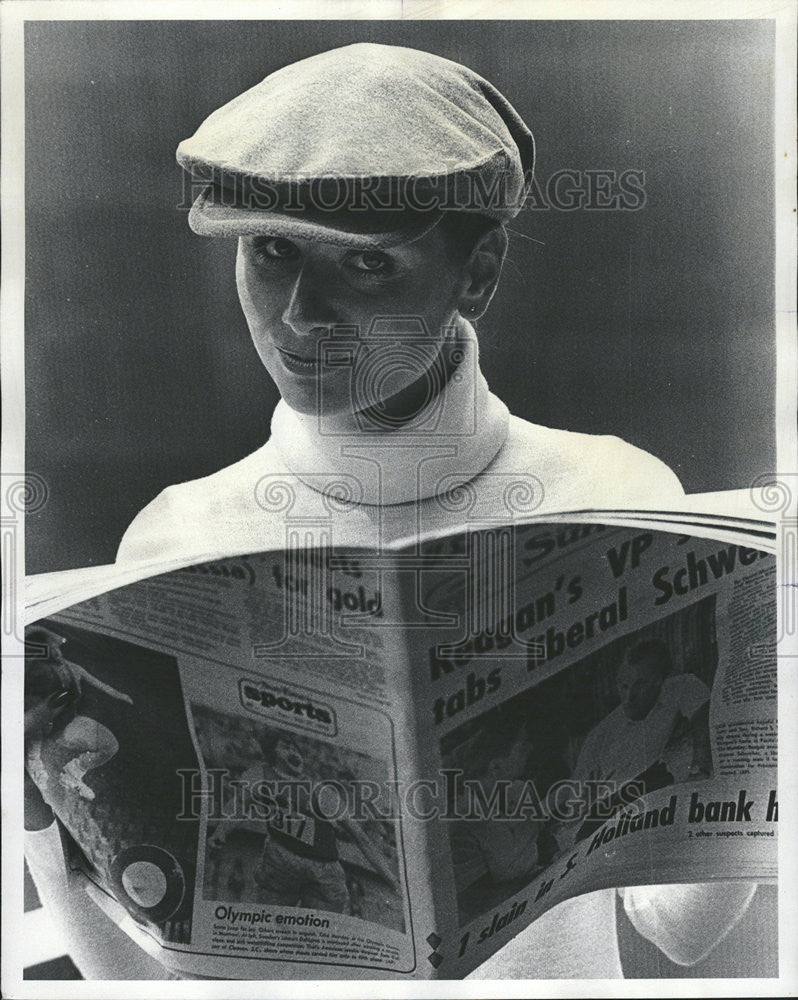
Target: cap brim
378,230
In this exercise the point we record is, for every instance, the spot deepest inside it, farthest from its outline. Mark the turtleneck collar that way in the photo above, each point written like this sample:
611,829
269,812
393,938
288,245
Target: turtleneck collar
450,440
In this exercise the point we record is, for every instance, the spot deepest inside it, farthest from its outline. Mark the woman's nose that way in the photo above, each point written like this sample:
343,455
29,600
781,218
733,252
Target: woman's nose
310,308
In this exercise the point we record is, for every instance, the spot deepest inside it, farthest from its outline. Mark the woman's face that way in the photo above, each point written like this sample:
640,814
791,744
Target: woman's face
340,330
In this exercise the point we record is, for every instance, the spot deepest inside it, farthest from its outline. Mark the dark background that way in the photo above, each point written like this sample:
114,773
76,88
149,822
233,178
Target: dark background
655,325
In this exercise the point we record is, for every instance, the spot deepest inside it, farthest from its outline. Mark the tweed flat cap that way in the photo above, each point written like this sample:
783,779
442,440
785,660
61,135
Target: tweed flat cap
365,145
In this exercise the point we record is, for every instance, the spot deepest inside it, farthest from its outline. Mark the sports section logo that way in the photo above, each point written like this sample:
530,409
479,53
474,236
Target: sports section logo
287,707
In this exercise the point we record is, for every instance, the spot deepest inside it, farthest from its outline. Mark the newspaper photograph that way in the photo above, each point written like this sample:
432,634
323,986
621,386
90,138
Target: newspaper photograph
285,861
620,723
110,769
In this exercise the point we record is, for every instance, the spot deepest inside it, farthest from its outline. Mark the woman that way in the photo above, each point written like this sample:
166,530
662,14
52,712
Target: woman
368,188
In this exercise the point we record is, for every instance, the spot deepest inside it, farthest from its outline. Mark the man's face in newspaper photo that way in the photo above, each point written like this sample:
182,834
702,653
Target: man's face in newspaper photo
287,759
294,293
54,644
639,686
516,763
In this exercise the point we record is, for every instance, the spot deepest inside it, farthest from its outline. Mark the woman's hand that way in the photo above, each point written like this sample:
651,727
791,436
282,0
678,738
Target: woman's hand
686,922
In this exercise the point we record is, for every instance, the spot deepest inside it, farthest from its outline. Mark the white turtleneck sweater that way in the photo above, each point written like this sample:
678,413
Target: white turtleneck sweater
461,457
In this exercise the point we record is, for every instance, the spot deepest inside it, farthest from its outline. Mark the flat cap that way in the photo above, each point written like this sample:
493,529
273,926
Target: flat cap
365,145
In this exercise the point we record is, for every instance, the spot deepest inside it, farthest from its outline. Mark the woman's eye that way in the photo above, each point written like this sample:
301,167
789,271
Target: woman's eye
275,248
370,262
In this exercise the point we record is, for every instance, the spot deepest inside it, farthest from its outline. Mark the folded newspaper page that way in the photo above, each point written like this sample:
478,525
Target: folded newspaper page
326,763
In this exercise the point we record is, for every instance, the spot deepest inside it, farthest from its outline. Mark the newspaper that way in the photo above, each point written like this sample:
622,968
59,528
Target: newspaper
331,763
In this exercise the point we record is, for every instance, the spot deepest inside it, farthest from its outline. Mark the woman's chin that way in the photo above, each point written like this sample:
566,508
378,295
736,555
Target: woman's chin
312,403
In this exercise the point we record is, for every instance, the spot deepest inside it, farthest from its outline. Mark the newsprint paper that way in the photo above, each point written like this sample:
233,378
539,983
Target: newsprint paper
331,763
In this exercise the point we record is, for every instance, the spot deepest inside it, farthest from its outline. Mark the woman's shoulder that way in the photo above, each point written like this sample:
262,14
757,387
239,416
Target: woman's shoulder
187,519
577,470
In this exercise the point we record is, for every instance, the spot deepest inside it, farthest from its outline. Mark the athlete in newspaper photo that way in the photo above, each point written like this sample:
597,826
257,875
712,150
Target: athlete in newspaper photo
299,864
53,688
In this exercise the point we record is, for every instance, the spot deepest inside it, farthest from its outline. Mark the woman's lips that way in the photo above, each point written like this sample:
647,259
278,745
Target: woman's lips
297,364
